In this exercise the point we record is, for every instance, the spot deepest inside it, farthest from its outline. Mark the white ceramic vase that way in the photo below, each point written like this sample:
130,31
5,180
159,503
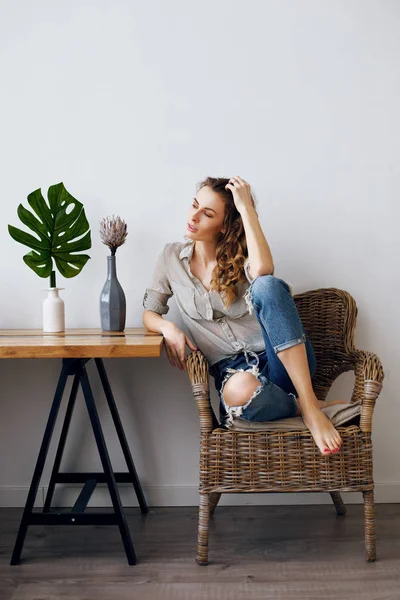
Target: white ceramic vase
53,311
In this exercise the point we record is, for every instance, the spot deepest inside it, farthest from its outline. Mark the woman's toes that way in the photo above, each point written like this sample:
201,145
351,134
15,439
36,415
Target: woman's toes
330,443
334,444
333,450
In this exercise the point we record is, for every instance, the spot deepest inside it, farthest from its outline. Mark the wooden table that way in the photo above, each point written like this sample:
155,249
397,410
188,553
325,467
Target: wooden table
76,347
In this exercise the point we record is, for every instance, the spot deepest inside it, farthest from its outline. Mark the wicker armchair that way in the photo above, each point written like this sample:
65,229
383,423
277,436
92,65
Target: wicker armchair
290,461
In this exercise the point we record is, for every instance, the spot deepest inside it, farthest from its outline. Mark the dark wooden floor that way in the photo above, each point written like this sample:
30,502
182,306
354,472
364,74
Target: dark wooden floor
256,552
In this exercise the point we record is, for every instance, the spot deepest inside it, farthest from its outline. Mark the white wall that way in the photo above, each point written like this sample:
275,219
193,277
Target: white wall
130,104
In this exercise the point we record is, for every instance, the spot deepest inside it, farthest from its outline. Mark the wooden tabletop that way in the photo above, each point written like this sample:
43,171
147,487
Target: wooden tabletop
80,343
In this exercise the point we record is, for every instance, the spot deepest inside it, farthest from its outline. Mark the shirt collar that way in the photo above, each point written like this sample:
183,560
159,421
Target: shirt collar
187,250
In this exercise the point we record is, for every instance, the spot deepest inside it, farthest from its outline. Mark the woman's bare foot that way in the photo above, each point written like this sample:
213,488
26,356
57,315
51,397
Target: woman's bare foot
324,433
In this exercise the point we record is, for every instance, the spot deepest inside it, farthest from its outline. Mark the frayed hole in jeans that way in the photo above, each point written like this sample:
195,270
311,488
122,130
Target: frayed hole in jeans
237,410
247,298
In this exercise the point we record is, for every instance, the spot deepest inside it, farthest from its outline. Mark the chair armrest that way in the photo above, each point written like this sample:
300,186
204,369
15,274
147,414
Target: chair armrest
369,376
197,369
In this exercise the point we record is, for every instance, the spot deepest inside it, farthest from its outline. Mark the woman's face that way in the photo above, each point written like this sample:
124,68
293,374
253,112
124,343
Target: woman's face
206,214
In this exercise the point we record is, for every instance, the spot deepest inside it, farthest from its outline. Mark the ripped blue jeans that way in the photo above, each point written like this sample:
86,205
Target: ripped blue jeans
273,305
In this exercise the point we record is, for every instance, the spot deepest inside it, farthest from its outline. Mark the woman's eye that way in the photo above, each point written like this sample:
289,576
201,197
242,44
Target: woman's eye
209,216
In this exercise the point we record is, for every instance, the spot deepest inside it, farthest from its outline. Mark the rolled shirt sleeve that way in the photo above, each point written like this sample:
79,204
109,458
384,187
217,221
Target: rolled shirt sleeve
159,291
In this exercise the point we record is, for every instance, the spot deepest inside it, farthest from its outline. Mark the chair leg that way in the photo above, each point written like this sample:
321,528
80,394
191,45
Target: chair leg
202,538
369,524
338,502
214,499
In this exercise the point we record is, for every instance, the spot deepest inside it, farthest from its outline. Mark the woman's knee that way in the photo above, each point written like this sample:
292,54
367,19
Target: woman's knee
268,286
239,388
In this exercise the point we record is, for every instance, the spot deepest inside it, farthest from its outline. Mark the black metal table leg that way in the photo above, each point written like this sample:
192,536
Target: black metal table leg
25,521
77,516
61,445
121,435
105,461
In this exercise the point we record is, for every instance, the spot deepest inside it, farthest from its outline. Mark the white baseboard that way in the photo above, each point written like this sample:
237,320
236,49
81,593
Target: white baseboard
65,496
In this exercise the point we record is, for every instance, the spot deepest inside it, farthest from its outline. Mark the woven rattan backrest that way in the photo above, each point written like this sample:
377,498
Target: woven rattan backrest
329,317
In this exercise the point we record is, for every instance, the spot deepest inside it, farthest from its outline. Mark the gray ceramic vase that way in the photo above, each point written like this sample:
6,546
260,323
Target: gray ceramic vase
112,300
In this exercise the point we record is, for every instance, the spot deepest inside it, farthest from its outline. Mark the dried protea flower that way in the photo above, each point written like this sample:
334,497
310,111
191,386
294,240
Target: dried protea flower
113,232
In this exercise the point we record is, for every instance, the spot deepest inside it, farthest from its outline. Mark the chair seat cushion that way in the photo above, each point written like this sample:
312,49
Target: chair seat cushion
338,414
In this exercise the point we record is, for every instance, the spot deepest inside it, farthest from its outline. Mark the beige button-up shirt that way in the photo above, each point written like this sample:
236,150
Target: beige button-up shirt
217,331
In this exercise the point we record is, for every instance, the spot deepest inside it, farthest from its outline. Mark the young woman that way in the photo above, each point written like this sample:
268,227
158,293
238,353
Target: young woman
238,313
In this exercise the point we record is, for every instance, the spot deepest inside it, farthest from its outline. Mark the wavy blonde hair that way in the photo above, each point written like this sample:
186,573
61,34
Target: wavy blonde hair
232,246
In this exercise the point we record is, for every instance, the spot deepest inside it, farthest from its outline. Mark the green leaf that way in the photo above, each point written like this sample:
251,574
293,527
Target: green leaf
31,221
61,227
25,238
40,263
64,260
38,203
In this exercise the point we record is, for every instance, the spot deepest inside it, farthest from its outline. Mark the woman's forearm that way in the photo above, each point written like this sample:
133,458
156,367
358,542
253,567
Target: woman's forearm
155,322
260,257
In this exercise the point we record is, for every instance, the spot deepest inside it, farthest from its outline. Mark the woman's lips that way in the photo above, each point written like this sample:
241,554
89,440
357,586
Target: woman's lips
191,228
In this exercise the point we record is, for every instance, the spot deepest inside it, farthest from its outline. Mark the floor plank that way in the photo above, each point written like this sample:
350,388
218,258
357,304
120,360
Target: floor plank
256,552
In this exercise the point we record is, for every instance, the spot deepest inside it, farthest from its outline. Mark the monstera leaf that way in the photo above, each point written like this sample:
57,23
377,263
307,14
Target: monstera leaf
59,223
